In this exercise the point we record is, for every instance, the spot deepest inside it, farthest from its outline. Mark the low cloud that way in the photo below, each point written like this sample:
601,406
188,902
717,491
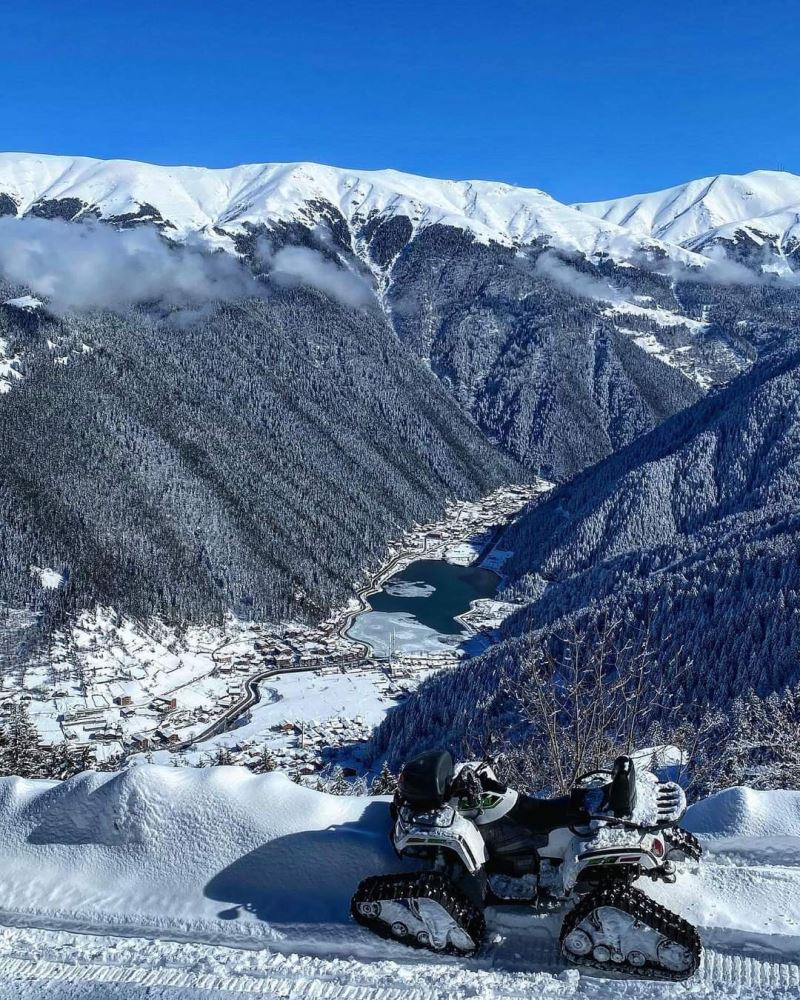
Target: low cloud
291,267
549,265
720,269
724,271
88,265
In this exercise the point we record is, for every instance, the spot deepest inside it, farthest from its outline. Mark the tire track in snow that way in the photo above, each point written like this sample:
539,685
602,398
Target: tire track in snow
104,958
717,970
284,986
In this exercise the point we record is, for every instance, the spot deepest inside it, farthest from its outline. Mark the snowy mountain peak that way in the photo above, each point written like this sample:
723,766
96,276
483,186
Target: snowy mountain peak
765,204
188,200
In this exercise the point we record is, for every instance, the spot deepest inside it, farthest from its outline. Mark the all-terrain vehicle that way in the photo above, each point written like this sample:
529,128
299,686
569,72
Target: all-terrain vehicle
480,843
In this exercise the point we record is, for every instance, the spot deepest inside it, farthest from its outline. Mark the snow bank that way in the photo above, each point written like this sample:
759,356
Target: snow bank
220,854
743,813
162,845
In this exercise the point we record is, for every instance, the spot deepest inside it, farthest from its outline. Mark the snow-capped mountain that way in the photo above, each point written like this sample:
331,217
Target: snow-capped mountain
213,202
755,215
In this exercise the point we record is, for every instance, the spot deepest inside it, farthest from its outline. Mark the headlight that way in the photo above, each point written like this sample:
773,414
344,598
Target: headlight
439,817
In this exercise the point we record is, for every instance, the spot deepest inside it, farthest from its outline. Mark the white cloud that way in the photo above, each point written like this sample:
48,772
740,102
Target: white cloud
88,265
548,265
292,266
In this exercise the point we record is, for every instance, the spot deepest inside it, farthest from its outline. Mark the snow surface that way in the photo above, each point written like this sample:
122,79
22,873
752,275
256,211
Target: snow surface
345,707
766,203
163,866
49,578
400,631
8,367
27,302
199,200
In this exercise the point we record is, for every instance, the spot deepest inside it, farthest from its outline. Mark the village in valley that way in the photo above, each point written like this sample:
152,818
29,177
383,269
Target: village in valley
291,695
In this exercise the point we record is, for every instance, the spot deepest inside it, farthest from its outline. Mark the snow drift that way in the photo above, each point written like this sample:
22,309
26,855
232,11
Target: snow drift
741,819
161,845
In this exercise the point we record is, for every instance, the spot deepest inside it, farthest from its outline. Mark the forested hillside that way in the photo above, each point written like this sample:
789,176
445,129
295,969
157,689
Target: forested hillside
231,388
691,529
562,360
257,459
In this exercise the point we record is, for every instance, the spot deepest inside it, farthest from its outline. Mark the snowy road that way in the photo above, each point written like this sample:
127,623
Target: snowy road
180,883
37,963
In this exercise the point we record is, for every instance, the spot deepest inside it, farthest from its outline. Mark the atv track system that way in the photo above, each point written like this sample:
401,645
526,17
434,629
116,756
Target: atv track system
424,910
620,929
681,844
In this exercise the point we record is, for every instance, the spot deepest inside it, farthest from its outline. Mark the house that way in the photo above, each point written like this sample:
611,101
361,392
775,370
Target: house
164,704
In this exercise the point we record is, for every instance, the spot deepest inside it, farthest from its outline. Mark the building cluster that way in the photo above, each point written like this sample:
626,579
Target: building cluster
307,646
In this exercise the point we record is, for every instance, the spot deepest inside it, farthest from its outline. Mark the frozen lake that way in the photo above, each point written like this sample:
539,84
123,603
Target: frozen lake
416,609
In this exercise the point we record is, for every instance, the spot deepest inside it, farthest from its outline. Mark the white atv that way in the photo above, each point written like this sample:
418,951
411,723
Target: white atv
479,842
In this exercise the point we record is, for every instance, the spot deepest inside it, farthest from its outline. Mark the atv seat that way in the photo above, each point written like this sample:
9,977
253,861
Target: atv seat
425,781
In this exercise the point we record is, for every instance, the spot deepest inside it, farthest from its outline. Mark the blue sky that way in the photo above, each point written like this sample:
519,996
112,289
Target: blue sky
585,100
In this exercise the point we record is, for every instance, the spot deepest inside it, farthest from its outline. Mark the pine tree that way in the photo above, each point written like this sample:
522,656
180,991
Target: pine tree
65,761
112,763
22,754
264,763
385,783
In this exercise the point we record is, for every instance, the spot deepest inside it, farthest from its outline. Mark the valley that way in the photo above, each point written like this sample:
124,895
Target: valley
204,505
115,686
399,501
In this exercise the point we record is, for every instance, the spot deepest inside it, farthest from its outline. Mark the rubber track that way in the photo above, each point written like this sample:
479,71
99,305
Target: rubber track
679,839
428,885
633,901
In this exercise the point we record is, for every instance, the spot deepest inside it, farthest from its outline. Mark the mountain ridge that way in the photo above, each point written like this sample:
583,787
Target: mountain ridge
190,200
761,208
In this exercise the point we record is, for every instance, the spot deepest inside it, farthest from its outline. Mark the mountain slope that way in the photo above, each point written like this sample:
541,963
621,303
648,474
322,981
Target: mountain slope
258,460
296,420
754,216
562,335
188,200
693,528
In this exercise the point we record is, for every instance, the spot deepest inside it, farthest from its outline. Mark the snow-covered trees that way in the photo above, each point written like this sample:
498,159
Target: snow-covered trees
23,754
385,783
257,461
582,697
21,751
755,743
264,762
693,530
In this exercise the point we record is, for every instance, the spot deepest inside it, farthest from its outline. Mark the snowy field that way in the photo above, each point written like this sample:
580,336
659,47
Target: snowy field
326,711
165,882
